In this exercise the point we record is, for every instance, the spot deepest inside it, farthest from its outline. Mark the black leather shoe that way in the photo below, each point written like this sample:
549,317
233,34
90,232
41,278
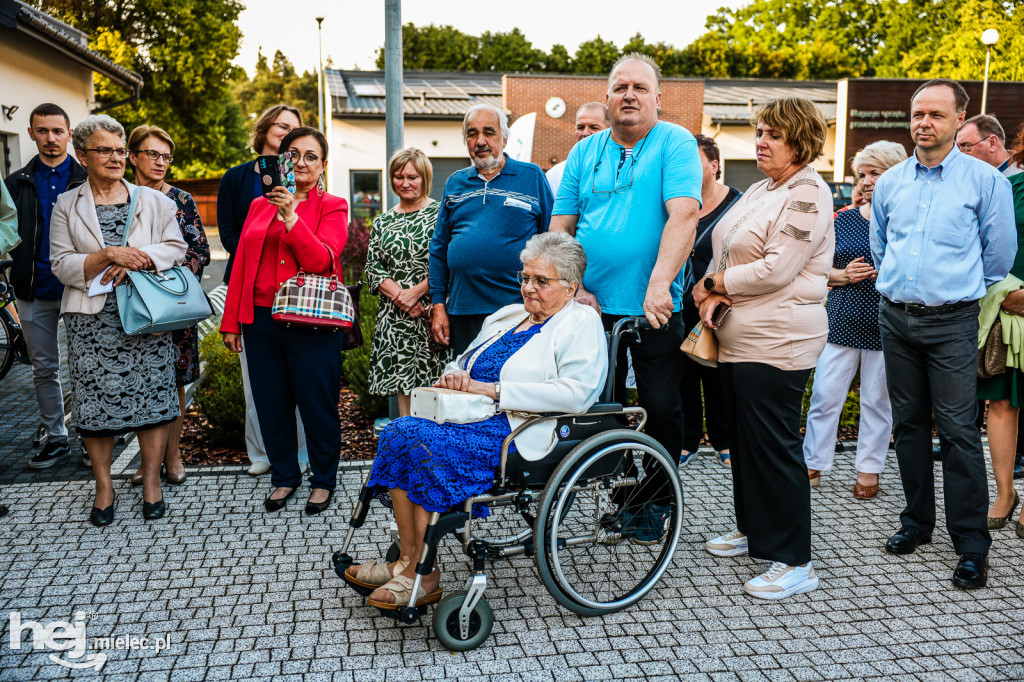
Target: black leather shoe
972,571
275,505
1018,466
317,507
102,517
153,510
906,540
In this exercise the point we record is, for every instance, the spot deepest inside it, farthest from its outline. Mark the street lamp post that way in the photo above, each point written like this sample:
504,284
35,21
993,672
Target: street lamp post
321,82
989,38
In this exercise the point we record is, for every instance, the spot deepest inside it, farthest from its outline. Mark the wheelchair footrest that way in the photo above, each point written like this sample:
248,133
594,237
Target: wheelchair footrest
341,563
405,614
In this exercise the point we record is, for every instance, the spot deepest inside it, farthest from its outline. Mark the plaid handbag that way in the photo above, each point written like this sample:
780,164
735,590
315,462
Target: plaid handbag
314,301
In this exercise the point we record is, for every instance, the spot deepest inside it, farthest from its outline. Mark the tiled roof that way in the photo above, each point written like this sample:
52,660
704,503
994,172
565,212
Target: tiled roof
434,93
734,100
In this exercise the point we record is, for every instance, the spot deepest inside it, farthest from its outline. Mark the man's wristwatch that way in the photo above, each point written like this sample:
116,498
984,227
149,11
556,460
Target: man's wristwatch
709,282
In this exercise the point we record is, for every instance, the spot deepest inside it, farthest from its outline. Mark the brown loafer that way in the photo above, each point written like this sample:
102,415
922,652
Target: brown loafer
813,477
864,492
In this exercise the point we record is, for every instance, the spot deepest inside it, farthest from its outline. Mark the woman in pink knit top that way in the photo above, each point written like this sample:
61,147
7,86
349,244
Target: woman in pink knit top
772,255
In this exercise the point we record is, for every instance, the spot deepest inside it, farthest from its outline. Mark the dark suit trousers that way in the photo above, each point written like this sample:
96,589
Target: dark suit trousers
931,366
289,367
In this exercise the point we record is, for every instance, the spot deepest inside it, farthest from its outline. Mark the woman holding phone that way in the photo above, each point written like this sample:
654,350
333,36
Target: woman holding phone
240,186
289,365
772,256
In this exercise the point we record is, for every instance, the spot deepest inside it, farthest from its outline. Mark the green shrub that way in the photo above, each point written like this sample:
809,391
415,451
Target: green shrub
221,397
355,363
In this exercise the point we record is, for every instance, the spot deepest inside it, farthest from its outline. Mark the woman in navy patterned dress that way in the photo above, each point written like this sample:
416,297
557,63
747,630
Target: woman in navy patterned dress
546,355
853,340
150,152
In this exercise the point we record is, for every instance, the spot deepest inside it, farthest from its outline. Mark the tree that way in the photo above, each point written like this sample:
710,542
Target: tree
183,51
508,53
278,83
595,56
443,48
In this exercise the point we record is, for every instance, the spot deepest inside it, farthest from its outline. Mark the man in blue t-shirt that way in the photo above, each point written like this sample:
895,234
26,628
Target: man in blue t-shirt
35,189
487,214
631,195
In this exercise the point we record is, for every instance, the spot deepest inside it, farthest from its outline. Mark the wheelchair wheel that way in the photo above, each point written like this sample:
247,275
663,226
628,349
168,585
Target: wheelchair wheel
608,522
448,630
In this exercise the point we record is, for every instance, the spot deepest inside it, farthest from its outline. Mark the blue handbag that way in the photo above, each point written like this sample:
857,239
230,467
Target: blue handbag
155,302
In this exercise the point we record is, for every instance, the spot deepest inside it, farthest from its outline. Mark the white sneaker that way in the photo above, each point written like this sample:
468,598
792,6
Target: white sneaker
258,468
731,544
781,581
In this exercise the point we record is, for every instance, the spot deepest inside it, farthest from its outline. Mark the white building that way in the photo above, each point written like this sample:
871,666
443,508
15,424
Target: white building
45,60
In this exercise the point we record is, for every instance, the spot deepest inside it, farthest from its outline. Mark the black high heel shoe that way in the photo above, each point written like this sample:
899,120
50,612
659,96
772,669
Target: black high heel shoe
995,523
153,510
102,517
272,505
317,507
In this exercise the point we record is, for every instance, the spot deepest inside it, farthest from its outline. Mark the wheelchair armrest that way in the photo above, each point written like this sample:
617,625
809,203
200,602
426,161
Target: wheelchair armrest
604,408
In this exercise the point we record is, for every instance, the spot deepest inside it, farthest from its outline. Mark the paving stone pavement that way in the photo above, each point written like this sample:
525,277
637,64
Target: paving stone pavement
243,594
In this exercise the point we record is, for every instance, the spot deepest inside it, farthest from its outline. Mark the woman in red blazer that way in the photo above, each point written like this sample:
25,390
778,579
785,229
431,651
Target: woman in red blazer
291,366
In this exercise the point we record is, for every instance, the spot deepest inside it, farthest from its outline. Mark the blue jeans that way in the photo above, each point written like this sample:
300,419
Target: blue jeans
931,366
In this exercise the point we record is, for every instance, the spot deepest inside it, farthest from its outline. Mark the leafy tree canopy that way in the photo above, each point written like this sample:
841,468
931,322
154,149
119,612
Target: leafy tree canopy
183,49
276,83
802,39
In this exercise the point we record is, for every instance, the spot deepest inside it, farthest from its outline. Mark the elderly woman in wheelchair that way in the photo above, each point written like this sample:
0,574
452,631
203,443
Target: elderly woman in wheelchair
546,354
576,470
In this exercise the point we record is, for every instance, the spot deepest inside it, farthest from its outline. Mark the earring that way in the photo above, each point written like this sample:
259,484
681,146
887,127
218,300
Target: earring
321,186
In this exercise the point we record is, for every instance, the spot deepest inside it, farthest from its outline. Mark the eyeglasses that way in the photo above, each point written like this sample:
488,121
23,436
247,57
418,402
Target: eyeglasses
283,126
106,152
539,282
966,147
310,158
600,158
153,155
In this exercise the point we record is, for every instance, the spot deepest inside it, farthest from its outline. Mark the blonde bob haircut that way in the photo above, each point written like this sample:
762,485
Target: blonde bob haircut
140,133
418,160
882,154
263,123
802,124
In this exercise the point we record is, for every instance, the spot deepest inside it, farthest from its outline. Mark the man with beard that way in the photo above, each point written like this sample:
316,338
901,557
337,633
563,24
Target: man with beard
487,214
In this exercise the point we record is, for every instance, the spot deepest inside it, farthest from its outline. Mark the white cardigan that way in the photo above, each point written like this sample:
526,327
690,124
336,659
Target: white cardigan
75,234
561,369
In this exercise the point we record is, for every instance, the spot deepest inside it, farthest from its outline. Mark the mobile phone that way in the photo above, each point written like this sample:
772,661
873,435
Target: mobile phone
722,311
276,170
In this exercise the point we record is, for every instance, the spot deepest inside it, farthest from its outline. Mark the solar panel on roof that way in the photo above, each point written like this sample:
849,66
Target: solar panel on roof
368,88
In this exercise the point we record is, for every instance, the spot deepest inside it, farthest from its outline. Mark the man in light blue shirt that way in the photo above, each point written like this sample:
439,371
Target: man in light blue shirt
942,231
630,195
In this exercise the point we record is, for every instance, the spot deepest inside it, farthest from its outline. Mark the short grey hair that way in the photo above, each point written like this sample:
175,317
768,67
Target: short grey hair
636,57
477,108
882,154
90,124
563,252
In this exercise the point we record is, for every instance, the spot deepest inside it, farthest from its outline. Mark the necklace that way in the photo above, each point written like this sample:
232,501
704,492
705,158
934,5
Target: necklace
772,186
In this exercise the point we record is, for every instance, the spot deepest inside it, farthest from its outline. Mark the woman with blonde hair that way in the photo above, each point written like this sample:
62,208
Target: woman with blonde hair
854,342
396,266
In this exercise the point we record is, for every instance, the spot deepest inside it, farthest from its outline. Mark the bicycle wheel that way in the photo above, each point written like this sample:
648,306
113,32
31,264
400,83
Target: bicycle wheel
608,522
9,333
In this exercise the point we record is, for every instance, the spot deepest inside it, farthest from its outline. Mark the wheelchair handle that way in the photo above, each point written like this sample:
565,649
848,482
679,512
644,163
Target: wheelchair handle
626,325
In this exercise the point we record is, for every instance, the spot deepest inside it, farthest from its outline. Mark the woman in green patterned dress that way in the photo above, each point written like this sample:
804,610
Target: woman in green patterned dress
396,266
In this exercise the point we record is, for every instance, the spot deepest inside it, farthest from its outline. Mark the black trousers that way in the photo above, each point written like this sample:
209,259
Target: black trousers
695,410
462,329
770,489
657,367
289,367
931,366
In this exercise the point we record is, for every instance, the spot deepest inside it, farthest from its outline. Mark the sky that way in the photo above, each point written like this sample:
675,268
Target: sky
353,30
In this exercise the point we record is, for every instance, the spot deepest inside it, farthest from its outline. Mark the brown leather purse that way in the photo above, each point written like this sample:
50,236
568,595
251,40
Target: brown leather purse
701,346
992,356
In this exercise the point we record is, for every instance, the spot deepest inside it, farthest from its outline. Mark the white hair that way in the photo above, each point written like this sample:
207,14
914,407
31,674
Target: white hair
477,108
90,124
882,154
563,252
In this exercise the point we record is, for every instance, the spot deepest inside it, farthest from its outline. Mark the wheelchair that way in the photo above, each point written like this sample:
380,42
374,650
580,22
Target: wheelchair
598,541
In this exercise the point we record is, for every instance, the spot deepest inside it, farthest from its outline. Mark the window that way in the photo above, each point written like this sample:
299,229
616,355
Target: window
366,195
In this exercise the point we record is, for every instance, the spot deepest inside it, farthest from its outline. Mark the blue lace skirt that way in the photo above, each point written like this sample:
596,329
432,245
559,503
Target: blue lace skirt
439,466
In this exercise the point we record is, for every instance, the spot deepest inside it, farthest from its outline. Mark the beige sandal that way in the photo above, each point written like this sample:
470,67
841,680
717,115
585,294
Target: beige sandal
401,587
375,573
